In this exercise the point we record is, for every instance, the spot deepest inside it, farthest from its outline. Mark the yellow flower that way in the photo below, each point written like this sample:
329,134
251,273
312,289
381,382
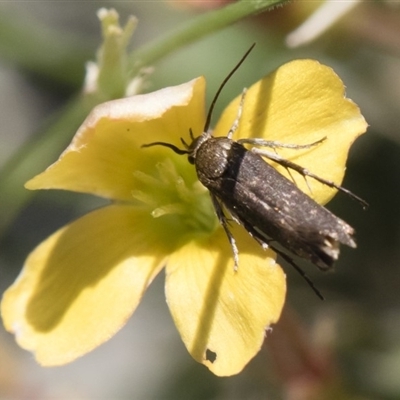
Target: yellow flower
80,285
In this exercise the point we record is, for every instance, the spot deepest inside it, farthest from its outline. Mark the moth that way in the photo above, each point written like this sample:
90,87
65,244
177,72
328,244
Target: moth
273,210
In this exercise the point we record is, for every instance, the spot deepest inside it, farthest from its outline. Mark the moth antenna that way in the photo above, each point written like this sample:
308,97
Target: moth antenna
177,150
211,109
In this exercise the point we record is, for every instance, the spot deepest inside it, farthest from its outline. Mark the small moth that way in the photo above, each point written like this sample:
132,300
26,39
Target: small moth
268,205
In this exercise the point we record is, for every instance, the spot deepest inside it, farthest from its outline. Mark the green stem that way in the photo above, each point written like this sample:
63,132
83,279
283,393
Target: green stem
44,51
36,155
197,28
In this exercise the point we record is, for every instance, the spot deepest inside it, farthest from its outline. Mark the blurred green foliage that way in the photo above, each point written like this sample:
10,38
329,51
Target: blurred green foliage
43,51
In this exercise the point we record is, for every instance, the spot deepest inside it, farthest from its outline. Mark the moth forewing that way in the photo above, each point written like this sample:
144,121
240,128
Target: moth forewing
269,205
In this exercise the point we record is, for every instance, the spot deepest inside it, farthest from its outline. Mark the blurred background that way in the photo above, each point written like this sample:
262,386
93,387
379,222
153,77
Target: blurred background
43,50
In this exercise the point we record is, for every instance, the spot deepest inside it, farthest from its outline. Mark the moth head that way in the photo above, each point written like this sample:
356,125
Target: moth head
189,149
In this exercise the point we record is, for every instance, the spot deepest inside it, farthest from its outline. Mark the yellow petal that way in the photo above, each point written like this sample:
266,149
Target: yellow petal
106,149
222,314
81,285
300,103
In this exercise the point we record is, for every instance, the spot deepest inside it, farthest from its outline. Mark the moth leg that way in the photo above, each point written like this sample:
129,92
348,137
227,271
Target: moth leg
267,243
273,144
235,124
224,222
305,172
299,270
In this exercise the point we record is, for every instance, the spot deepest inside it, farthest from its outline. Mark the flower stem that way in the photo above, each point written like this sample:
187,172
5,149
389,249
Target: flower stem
34,156
193,30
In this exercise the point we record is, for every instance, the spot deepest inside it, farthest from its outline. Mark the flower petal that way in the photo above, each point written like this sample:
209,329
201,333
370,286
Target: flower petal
81,285
222,314
301,103
106,149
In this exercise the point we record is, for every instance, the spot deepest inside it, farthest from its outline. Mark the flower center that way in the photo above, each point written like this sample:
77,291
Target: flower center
171,191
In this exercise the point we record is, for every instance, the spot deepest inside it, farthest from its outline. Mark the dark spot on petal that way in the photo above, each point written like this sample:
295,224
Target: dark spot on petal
210,355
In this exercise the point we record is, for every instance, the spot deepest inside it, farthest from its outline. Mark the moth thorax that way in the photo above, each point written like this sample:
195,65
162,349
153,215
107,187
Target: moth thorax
212,157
